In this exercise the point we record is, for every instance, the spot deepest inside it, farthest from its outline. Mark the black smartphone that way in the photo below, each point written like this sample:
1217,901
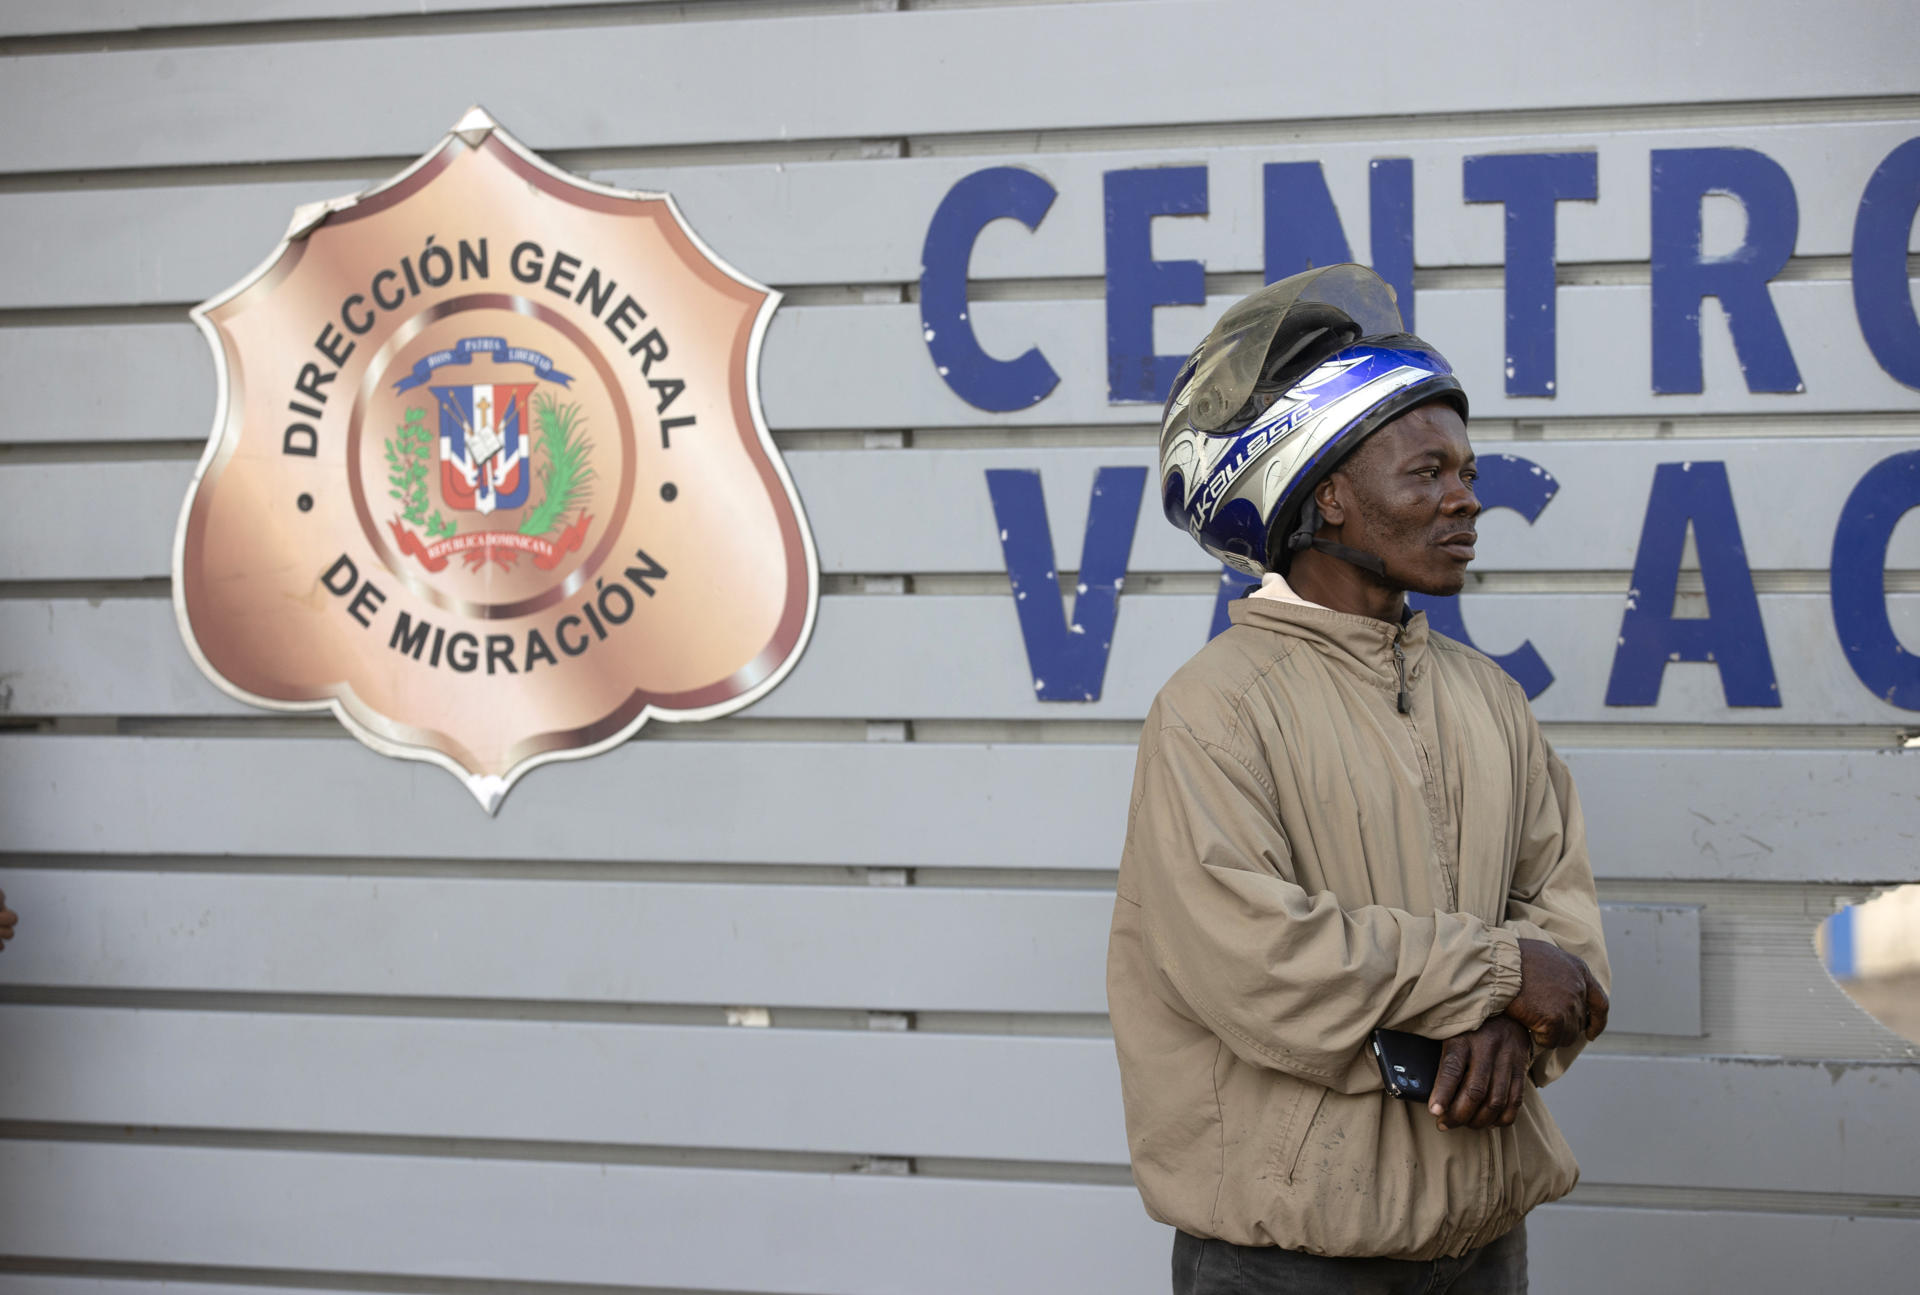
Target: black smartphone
1409,1063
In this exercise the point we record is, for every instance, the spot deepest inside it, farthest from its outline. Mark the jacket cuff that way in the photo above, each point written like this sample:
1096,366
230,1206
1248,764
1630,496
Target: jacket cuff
1504,946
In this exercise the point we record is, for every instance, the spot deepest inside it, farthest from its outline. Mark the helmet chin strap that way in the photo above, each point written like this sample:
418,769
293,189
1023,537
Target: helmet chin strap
1303,537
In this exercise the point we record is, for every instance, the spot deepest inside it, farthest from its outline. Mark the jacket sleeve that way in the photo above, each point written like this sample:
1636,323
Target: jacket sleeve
1287,979
1552,896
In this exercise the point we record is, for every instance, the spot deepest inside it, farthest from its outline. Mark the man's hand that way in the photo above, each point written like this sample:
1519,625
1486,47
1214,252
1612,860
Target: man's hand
7,918
1559,1000
1482,1076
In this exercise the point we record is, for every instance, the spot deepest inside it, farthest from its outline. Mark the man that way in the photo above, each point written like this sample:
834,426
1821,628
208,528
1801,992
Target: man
1342,821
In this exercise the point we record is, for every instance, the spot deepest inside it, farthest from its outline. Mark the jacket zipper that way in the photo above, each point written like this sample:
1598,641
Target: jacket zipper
1430,783
1490,1153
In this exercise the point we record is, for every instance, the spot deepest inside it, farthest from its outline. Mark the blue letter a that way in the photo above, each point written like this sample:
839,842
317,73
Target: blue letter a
1730,635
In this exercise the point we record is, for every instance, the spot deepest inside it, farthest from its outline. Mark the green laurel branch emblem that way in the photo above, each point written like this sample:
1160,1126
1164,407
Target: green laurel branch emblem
409,458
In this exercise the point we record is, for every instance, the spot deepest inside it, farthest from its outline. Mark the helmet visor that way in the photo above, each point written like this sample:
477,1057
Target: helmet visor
1236,353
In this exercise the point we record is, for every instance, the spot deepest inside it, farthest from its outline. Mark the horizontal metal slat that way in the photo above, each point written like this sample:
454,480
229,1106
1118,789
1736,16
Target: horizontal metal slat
19,18
1659,1122
20,1283
891,512
1603,339
623,1225
969,661
618,1224
911,73
927,511
1727,1122
141,382
866,1093
897,948
104,375
1756,815
890,948
1584,1250
854,222
848,804
1654,953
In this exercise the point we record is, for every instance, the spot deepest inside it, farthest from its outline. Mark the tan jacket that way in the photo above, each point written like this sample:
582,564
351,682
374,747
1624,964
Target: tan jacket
1304,863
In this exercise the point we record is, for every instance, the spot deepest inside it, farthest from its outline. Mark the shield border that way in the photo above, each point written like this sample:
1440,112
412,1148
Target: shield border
475,128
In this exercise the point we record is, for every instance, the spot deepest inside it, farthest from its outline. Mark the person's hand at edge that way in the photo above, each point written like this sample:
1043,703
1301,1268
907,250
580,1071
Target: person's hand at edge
1482,1076
7,918
1559,998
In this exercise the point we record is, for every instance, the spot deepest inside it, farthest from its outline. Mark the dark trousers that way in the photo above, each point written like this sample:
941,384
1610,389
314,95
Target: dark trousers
1208,1267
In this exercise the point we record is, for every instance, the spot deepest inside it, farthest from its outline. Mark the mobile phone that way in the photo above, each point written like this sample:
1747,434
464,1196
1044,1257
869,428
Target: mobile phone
1409,1063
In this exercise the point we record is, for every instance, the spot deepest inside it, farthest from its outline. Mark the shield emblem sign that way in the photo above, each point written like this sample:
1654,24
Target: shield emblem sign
489,476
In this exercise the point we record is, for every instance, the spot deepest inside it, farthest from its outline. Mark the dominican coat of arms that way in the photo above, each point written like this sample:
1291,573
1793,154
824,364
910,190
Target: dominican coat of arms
489,477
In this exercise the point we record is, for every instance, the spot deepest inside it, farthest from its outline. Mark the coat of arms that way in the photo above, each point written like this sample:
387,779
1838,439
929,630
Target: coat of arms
489,476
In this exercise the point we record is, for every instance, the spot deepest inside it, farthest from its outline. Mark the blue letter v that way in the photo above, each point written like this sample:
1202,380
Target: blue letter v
1068,658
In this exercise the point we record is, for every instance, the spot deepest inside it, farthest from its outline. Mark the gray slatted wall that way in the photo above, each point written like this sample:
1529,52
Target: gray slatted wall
809,999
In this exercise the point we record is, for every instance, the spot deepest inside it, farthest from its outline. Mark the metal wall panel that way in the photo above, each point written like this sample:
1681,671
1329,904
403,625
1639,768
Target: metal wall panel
865,221
917,72
927,511
1588,1251
1654,953
309,951
31,18
19,1283
95,383
821,362
908,1093
886,1093
88,657
1605,369
1780,815
1771,1124
731,1230
894,948
617,1224
975,665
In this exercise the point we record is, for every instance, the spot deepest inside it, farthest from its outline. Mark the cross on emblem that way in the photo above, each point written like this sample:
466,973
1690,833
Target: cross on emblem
484,440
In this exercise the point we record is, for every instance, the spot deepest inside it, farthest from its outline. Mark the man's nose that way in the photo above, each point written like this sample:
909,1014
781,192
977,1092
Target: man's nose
1461,501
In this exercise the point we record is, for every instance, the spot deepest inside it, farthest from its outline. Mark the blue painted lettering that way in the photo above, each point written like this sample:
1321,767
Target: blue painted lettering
1068,656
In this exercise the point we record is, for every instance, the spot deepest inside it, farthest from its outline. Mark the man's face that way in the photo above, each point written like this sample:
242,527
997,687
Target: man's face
1406,496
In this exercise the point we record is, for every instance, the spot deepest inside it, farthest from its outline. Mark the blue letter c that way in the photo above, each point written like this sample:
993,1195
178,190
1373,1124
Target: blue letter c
973,203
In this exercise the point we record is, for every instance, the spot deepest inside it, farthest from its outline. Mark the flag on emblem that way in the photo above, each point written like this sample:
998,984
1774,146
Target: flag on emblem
483,446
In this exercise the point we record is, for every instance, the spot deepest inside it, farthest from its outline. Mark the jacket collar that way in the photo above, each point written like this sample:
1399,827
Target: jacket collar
1359,642
1274,585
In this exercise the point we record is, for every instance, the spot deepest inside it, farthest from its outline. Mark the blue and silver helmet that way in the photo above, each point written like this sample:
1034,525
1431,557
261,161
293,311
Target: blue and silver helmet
1285,386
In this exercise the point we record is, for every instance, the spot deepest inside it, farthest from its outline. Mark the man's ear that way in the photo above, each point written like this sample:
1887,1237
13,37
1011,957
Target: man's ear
1331,496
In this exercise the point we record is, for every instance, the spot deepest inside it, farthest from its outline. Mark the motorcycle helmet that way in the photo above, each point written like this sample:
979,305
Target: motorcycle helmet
1288,383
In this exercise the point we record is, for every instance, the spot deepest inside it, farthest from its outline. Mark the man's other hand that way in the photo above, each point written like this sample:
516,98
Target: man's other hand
1482,1076
7,918
1559,999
